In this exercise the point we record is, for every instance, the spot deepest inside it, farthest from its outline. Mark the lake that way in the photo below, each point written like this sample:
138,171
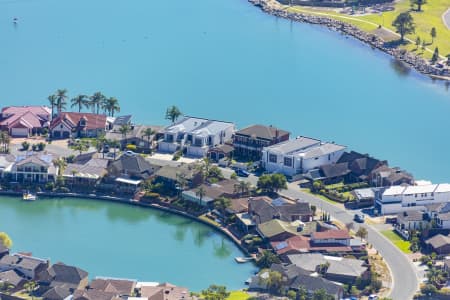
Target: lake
225,59
124,241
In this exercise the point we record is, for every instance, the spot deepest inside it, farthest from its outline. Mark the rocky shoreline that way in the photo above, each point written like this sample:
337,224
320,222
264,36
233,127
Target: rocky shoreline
414,61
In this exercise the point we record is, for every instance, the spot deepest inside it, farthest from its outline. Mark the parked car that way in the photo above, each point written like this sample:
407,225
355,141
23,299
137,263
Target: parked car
242,173
373,297
359,218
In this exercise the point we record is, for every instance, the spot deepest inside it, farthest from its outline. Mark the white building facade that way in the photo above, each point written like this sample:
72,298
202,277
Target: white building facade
299,156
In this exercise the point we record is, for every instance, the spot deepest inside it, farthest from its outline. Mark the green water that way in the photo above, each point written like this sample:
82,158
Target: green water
119,240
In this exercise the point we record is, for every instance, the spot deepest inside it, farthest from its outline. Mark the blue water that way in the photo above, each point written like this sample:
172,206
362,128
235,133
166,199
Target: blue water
118,240
225,59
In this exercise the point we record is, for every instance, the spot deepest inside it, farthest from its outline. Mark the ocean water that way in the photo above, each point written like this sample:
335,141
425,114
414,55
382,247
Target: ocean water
225,59
123,241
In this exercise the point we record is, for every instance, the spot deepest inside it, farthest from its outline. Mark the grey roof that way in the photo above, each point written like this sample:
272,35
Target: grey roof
438,241
62,273
34,159
94,168
92,294
211,127
122,120
293,146
313,283
289,271
171,172
335,170
323,149
137,131
307,261
9,260
411,216
263,210
134,164
58,292
186,124
444,216
262,132
367,193
12,277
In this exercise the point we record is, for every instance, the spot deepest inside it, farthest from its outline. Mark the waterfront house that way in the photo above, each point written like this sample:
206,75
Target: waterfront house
330,173
264,209
439,243
24,121
86,174
37,168
28,266
224,188
94,295
119,287
171,175
386,176
293,245
165,291
195,136
330,238
249,142
3,250
396,199
277,230
136,136
77,125
64,277
300,155
131,165
13,278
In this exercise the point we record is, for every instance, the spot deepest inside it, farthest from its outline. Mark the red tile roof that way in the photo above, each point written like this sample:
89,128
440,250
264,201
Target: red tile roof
25,116
298,243
72,119
330,234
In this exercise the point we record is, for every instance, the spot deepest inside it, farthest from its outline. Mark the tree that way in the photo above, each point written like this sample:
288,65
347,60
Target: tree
278,182
267,259
25,145
79,101
273,282
61,100
433,34
61,164
418,42
429,290
264,183
302,293
404,24
242,187
362,232
448,59
435,56
173,113
124,129
30,286
200,193
111,105
321,294
215,292
81,146
419,3
5,240
52,101
96,102
148,133
5,139
272,182
221,204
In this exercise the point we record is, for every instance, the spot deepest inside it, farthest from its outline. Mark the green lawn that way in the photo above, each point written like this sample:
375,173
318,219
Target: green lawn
429,17
397,241
238,295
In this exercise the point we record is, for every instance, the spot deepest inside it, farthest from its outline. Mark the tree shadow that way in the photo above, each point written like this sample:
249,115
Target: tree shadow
395,43
400,67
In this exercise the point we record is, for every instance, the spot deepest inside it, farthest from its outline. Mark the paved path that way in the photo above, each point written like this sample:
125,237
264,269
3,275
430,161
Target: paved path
404,278
446,18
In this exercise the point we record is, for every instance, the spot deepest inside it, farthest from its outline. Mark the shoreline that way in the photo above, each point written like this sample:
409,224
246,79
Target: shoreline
417,63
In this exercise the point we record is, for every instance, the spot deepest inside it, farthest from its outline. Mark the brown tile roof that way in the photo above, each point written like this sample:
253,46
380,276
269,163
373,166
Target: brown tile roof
165,292
330,234
262,132
297,243
72,119
117,286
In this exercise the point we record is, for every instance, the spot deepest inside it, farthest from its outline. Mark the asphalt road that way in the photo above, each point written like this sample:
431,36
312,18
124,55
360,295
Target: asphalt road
405,282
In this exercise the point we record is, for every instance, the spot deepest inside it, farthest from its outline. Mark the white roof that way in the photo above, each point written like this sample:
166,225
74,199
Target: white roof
323,149
394,190
128,181
443,188
146,283
419,189
422,182
294,146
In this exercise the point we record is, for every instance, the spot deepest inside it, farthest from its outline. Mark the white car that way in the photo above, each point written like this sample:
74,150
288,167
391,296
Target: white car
373,297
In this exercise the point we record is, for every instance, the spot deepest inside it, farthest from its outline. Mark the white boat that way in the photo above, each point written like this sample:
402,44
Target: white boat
29,197
242,260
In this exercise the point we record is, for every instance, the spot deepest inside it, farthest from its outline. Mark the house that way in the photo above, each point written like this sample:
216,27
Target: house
195,136
171,175
249,142
13,278
339,269
397,198
224,188
330,238
24,121
299,156
439,243
386,176
220,152
77,125
313,283
293,245
165,291
136,136
27,266
365,197
38,168
412,220
361,166
63,277
330,173
88,173
277,230
264,209
94,295
118,287
131,165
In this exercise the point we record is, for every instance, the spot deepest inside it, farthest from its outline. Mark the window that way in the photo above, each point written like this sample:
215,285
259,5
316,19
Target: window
288,161
329,156
316,158
272,158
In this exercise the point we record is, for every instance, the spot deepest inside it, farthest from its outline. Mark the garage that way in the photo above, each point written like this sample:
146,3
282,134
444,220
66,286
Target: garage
19,132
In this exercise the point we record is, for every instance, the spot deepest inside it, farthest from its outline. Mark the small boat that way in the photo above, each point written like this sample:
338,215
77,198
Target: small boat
242,260
29,196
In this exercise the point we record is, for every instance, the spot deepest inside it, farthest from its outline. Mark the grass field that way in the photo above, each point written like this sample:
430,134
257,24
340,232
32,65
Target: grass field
397,241
429,17
238,295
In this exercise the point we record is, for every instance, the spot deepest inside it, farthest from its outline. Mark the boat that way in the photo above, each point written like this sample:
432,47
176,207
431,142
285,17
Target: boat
29,196
242,260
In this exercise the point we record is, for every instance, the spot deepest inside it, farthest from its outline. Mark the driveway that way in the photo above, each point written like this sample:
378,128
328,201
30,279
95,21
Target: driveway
405,282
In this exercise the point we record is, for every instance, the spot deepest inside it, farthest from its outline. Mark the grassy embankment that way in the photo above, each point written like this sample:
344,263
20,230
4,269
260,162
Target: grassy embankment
429,17
397,241
238,295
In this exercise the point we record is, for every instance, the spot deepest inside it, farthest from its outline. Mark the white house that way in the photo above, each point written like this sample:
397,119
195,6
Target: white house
397,199
196,136
300,155
32,168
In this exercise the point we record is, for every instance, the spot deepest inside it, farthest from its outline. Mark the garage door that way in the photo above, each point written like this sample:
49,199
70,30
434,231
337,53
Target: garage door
16,132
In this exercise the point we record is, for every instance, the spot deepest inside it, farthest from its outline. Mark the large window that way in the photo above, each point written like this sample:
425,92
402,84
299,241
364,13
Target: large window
288,161
272,158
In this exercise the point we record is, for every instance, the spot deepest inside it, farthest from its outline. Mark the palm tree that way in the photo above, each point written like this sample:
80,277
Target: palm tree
80,101
96,102
181,182
4,141
148,133
61,164
81,146
114,144
111,105
243,187
173,113
52,101
61,100
124,129
221,204
200,193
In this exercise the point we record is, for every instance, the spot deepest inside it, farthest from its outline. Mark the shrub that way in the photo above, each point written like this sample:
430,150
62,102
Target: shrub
41,146
131,147
25,145
34,147
233,175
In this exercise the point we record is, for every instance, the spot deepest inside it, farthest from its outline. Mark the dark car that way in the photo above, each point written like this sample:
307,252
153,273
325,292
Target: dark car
358,218
242,173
